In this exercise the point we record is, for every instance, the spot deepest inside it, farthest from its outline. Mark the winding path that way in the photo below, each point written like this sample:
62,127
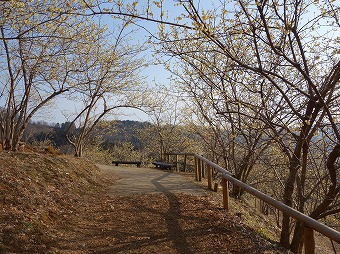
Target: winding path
134,181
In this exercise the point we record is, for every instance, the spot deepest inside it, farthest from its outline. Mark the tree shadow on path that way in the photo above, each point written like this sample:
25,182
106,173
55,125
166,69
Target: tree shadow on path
172,217
167,222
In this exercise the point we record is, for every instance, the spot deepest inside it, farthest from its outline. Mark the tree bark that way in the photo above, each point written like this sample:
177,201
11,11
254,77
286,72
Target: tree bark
333,189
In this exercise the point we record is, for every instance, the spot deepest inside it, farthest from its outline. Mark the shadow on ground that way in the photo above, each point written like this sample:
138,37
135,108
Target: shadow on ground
162,222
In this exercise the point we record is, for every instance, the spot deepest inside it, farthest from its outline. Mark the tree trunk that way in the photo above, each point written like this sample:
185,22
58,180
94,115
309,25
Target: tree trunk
333,189
78,149
297,241
288,195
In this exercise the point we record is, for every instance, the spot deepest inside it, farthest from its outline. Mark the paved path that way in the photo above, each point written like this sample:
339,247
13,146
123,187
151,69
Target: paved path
150,180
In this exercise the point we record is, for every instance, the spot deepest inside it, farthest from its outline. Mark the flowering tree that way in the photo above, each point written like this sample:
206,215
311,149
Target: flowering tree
290,73
39,45
109,81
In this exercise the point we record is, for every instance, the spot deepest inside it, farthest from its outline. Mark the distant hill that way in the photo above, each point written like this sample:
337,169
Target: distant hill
114,133
125,131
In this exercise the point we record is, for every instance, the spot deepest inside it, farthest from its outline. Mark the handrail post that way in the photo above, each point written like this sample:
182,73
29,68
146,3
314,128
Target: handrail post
203,169
309,241
196,168
310,222
209,177
200,170
225,191
177,165
185,163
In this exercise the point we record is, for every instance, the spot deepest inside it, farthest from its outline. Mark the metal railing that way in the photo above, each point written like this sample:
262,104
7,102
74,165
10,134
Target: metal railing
309,223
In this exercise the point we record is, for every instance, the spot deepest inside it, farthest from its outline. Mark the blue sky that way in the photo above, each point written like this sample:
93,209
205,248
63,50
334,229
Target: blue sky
155,75
62,108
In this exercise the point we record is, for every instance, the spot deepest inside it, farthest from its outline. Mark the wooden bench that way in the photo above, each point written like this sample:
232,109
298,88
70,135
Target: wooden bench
164,165
138,163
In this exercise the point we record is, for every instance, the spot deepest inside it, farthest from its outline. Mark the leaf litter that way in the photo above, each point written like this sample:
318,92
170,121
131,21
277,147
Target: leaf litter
57,204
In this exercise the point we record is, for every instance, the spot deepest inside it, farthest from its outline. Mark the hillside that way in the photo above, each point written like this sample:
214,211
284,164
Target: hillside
55,204
114,132
37,192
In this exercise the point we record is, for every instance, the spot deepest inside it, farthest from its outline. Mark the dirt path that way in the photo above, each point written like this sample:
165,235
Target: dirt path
154,211
135,180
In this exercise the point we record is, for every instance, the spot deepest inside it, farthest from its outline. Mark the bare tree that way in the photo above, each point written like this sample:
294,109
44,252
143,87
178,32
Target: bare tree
109,81
38,45
293,71
294,62
219,100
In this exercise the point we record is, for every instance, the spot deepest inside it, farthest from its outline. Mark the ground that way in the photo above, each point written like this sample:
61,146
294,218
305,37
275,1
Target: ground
59,204
157,223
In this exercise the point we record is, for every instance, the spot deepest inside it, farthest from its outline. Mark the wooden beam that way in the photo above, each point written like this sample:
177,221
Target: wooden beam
209,177
196,168
225,191
216,187
200,170
203,169
309,241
